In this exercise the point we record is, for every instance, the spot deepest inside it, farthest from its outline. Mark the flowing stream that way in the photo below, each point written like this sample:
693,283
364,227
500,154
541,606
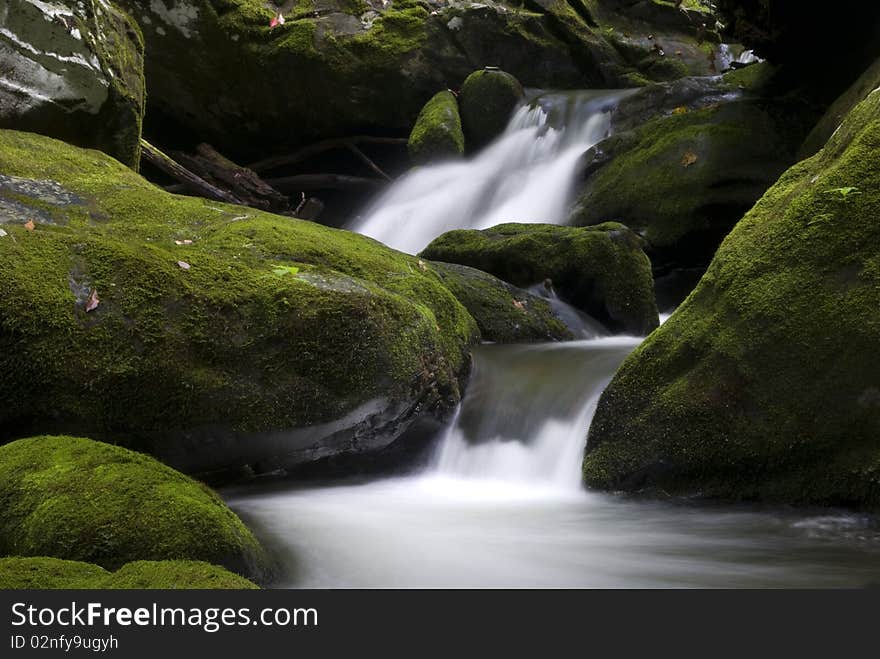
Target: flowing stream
527,175
502,505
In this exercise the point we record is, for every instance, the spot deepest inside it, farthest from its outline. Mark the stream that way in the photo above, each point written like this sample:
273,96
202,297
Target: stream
501,504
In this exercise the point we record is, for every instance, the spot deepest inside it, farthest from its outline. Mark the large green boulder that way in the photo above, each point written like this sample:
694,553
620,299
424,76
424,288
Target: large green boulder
488,99
437,133
765,383
216,337
600,270
73,70
337,67
684,178
44,573
82,500
504,313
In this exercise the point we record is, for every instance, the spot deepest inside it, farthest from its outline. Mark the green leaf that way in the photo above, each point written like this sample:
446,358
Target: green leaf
284,270
844,192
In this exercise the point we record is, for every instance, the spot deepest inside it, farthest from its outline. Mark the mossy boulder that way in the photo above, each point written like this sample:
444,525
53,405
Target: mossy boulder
504,313
218,71
45,573
683,179
765,384
82,500
214,336
600,270
488,99
73,70
437,133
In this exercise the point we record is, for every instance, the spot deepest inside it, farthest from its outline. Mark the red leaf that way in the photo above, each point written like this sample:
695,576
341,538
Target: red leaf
29,225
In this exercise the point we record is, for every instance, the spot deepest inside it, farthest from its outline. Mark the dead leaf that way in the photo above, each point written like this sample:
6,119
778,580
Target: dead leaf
277,20
184,265
3,234
422,265
29,225
689,158
183,242
93,301
519,305
680,110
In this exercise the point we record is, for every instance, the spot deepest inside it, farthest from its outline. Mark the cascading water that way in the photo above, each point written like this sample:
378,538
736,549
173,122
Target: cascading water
525,416
502,505
527,175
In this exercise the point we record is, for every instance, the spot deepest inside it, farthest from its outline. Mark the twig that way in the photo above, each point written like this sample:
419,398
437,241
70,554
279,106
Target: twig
366,160
302,182
319,147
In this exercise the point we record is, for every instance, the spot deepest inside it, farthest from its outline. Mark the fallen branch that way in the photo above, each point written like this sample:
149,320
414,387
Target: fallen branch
367,161
242,182
178,172
301,182
320,147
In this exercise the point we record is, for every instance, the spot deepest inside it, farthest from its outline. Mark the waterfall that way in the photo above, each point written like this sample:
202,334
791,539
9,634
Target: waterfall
527,175
527,411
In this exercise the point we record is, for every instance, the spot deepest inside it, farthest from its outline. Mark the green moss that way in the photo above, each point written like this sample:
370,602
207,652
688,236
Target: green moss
683,180
763,385
189,575
78,499
224,349
488,99
601,270
504,313
44,573
437,132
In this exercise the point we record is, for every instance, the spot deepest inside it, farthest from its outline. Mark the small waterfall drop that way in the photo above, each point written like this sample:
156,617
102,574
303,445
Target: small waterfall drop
527,410
526,175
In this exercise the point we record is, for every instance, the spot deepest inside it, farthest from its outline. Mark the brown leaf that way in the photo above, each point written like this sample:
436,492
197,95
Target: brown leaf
29,225
519,305
93,301
689,158
681,109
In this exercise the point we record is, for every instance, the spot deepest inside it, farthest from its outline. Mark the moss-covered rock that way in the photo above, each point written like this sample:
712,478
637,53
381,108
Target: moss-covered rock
211,335
682,180
82,500
488,99
601,270
335,67
73,70
765,384
437,133
45,573
504,313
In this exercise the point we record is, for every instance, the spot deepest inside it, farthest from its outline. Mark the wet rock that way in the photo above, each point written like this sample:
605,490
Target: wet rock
73,70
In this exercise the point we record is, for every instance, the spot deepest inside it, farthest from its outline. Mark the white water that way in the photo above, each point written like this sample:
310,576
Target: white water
527,175
501,506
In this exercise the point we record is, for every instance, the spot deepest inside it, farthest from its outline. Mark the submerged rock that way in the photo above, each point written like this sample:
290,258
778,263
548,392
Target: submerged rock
488,99
44,573
765,384
215,337
437,133
82,500
504,313
73,70
601,270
